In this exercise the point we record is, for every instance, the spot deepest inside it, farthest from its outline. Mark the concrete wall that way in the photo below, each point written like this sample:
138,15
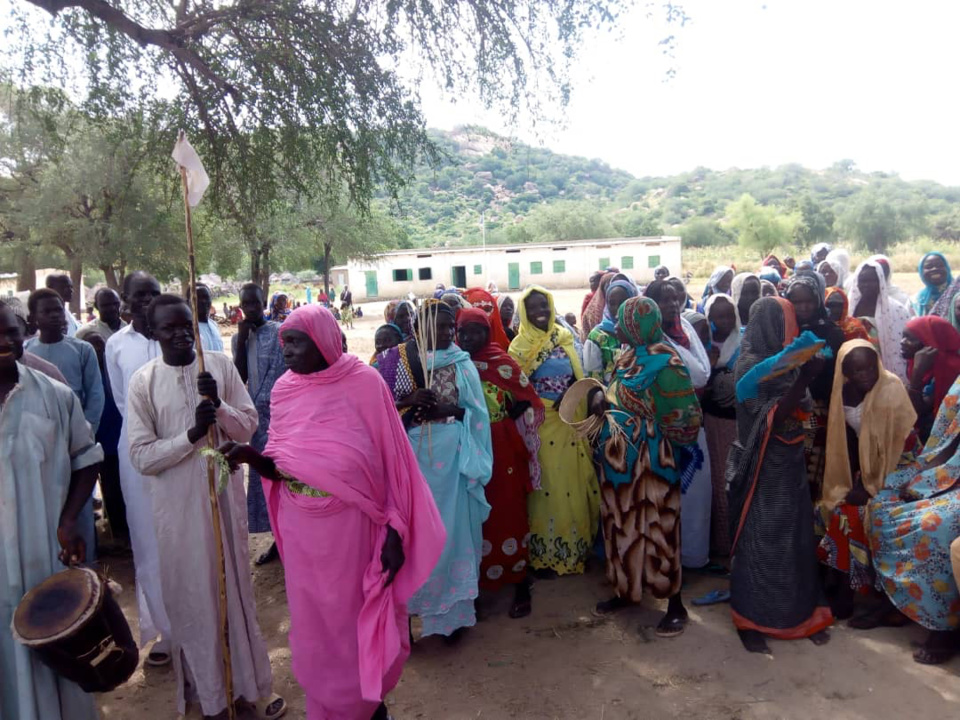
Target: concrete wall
558,265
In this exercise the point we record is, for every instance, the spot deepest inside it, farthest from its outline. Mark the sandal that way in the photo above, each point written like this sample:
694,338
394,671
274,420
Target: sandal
157,659
878,617
670,627
937,649
267,556
520,609
270,708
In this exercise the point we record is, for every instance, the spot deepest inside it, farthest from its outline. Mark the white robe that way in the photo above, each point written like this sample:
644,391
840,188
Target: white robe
128,351
161,405
44,438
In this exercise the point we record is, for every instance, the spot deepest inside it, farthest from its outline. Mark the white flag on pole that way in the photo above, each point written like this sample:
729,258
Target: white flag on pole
197,179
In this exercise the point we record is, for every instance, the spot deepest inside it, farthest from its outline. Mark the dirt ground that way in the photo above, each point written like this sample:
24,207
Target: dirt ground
562,663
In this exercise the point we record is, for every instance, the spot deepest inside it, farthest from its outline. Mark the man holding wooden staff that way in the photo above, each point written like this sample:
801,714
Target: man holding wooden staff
171,406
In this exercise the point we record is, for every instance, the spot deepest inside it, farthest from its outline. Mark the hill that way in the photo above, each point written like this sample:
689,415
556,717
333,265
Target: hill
531,194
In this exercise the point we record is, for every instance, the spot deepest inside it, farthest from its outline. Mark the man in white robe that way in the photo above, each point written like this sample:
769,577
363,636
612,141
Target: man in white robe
48,466
170,407
128,350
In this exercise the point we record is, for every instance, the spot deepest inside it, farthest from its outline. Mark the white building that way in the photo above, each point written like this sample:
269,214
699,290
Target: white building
512,267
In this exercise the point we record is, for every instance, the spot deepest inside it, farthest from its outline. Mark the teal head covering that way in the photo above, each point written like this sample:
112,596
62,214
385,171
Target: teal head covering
928,296
640,323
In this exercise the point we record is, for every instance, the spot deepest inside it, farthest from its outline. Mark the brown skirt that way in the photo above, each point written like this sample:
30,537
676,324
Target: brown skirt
641,535
721,434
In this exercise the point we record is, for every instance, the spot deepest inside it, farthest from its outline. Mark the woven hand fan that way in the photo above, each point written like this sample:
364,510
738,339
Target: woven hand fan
798,352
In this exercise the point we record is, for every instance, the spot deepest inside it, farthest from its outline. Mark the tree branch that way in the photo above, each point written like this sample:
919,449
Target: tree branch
171,41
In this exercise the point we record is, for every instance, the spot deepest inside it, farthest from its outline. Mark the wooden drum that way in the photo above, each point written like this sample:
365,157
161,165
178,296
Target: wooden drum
74,624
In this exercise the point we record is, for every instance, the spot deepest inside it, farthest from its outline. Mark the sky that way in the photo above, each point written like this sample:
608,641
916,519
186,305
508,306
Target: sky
759,83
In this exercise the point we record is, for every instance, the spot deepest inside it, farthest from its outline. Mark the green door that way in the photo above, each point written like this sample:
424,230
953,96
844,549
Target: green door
372,289
513,276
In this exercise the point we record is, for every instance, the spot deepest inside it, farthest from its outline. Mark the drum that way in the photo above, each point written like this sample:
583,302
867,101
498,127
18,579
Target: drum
73,623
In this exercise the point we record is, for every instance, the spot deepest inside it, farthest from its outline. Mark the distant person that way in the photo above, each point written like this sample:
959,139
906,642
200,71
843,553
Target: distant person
63,286
107,302
209,333
279,307
594,285
258,357
662,272
346,307
571,319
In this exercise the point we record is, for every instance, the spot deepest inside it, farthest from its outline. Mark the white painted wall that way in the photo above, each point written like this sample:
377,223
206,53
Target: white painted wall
579,260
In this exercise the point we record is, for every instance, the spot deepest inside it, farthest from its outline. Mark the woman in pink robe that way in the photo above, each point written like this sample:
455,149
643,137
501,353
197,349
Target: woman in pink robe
355,522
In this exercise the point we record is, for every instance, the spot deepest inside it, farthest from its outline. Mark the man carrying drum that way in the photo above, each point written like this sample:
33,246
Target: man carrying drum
49,462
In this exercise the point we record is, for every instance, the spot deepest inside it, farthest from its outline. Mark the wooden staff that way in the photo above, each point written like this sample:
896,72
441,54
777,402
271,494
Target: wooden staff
211,469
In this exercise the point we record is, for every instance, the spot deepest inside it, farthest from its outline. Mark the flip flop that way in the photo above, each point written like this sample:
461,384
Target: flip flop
270,708
714,597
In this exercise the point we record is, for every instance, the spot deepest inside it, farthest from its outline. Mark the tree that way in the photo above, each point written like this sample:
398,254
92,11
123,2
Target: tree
761,227
335,231
816,222
703,232
568,220
282,92
872,223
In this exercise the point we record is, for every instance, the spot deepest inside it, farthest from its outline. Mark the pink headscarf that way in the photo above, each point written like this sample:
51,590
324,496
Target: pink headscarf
338,430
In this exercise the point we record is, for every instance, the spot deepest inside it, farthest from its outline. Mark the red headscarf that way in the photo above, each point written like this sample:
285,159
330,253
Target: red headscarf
593,314
480,298
777,265
852,328
498,368
934,331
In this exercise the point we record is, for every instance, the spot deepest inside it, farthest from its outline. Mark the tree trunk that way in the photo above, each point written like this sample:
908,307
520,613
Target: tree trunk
79,296
110,274
264,279
26,272
326,269
255,266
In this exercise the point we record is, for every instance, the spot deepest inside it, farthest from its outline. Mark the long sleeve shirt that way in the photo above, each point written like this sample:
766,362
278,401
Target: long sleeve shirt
77,360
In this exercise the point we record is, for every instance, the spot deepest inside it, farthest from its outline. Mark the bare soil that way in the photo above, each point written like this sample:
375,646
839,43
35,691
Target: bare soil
562,663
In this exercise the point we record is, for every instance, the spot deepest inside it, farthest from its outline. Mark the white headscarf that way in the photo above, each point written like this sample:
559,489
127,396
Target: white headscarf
890,319
695,357
839,260
730,346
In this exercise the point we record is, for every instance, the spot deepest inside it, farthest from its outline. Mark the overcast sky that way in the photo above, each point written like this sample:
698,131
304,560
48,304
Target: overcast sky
762,83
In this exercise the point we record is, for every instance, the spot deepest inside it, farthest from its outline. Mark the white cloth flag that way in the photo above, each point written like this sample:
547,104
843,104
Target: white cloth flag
197,179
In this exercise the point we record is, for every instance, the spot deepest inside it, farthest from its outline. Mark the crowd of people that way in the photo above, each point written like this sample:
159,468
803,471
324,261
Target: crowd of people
793,428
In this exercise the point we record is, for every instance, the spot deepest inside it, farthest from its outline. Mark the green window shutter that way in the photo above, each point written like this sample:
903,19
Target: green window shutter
653,261
626,262
536,268
478,269
559,267
604,263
